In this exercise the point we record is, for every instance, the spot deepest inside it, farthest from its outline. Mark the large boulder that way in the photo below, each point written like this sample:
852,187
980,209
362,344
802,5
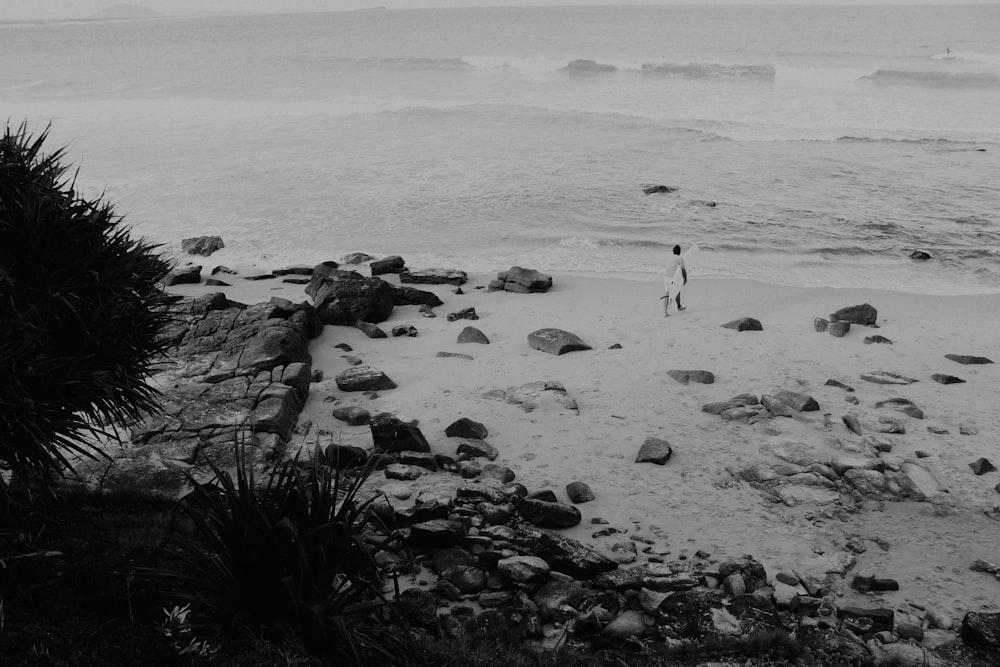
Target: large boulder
363,378
344,297
865,314
556,341
392,264
202,245
982,630
392,434
522,281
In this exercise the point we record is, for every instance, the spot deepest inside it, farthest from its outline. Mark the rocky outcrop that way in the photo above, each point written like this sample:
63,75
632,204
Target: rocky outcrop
236,374
521,281
344,297
183,275
391,264
202,245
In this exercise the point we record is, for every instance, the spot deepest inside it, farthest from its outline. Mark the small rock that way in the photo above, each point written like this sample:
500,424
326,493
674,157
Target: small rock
968,359
579,492
837,383
864,314
981,466
427,311
654,450
885,377
838,328
556,341
684,377
877,339
920,255
466,428
744,324
472,335
403,471
404,330
947,379
658,189
852,423
457,355
353,415
821,324
369,329
464,314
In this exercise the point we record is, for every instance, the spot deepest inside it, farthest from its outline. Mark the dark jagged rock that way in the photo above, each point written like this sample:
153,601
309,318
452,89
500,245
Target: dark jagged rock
685,377
183,275
299,270
392,264
344,456
472,335
466,428
740,401
404,330
260,276
655,577
877,339
478,448
344,297
369,329
363,378
658,189
882,619
947,379
744,324
563,554
391,434
838,383
821,324
411,296
579,492
904,405
654,450
920,254
852,423
832,645
202,245
967,359
864,314
981,466
798,402
556,341
982,630
547,514
434,276
464,314
435,534
521,281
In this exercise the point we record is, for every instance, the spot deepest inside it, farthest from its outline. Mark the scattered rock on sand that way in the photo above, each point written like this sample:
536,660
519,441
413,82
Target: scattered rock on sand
890,425
852,423
405,330
967,359
392,434
684,377
434,276
654,450
411,296
798,402
904,405
548,514
344,297
821,324
744,324
865,314
459,355
981,466
556,341
877,339
466,428
356,258
885,377
183,275
472,335
477,448
391,264
202,245
837,383
464,314
838,328
370,330
521,281
947,379
579,492
363,378
353,415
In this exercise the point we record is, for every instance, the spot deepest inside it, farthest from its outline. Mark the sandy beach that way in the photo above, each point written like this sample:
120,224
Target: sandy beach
625,395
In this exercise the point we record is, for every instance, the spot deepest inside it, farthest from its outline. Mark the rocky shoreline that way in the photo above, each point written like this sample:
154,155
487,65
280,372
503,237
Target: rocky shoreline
476,544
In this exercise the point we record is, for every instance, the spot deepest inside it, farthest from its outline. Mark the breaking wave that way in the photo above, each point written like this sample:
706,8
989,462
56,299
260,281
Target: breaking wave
711,71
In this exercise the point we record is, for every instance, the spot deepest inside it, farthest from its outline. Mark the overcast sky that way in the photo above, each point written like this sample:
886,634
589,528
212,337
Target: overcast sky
18,10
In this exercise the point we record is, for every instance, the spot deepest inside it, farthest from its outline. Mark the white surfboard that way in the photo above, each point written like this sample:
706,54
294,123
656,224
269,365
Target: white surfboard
677,285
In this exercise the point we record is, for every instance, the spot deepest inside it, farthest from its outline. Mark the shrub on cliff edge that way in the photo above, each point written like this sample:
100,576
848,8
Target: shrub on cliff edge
80,313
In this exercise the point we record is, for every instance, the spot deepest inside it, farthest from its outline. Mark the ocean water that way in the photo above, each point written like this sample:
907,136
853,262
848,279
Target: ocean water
809,145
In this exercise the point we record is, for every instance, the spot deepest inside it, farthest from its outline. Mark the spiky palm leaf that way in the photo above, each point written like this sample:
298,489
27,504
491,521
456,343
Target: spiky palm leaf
80,313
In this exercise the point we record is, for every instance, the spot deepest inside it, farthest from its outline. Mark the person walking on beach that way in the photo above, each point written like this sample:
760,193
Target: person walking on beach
675,263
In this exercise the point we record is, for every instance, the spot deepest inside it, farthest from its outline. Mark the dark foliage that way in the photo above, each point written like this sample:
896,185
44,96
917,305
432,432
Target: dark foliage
284,561
80,313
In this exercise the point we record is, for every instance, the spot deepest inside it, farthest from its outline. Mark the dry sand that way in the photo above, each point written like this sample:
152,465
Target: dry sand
625,395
